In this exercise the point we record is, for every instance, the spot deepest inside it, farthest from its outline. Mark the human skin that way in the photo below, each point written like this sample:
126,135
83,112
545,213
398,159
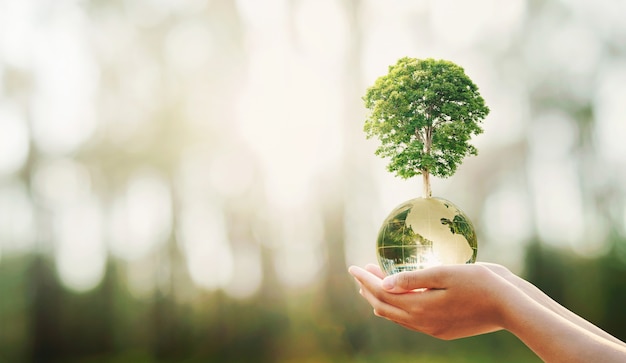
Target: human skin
456,301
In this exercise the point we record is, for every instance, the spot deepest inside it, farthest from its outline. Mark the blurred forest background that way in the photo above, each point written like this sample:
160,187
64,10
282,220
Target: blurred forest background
187,181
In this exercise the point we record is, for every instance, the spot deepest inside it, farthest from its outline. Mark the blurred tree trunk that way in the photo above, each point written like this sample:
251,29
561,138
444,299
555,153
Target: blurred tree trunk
339,302
46,326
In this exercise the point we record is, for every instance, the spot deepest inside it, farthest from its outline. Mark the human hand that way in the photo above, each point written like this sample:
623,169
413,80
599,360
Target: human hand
447,302
455,301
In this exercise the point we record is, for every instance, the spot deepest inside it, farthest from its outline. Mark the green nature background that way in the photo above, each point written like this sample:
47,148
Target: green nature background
188,181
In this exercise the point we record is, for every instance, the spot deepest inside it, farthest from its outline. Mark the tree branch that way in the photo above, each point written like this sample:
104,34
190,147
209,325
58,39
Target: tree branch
419,136
440,121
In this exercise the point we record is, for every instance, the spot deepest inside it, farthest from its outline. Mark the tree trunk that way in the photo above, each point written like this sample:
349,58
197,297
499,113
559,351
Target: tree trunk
425,173
426,178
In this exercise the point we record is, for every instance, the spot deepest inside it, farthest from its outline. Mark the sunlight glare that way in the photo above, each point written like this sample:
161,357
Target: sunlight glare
507,224
18,31
609,110
189,48
263,15
232,172
552,137
149,13
247,271
80,252
299,259
204,241
60,182
141,218
573,48
507,217
505,124
289,118
553,178
362,221
14,139
17,218
558,204
460,23
320,26
387,41
67,78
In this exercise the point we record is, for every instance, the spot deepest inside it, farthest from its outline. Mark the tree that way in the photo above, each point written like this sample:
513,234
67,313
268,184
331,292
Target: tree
424,113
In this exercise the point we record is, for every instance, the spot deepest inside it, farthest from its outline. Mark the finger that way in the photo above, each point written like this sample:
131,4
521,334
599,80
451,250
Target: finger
375,269
383,309
372,283
361,273
430,278
498,269
365,277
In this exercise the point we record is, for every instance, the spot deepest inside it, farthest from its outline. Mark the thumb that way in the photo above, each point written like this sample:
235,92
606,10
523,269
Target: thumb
430,278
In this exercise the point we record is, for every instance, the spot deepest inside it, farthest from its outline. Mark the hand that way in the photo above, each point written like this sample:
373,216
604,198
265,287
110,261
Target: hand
455,301
447,302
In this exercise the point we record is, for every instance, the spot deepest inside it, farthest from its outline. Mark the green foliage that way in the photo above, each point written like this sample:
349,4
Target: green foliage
424,113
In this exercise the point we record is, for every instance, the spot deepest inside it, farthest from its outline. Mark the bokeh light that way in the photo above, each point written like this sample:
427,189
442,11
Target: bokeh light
13,140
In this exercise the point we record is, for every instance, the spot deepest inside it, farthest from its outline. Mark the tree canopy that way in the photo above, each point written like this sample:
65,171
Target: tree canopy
424,113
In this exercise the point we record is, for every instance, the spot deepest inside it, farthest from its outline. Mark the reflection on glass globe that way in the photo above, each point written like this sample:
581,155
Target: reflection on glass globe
424,232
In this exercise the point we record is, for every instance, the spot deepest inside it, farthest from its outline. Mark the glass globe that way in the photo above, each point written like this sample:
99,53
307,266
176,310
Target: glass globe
424,232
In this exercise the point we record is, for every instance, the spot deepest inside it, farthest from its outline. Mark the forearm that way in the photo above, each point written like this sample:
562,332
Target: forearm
554,338
539,296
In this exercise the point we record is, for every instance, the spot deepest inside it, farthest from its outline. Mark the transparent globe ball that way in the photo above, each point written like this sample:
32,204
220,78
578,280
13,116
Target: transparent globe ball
424,232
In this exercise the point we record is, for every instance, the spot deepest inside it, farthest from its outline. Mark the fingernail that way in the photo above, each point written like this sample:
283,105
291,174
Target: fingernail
351,270
389,282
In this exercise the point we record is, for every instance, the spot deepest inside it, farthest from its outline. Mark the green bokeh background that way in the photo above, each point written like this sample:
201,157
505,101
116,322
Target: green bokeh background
134,134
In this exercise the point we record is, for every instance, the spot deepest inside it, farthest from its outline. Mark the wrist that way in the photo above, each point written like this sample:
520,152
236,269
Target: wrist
514,308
